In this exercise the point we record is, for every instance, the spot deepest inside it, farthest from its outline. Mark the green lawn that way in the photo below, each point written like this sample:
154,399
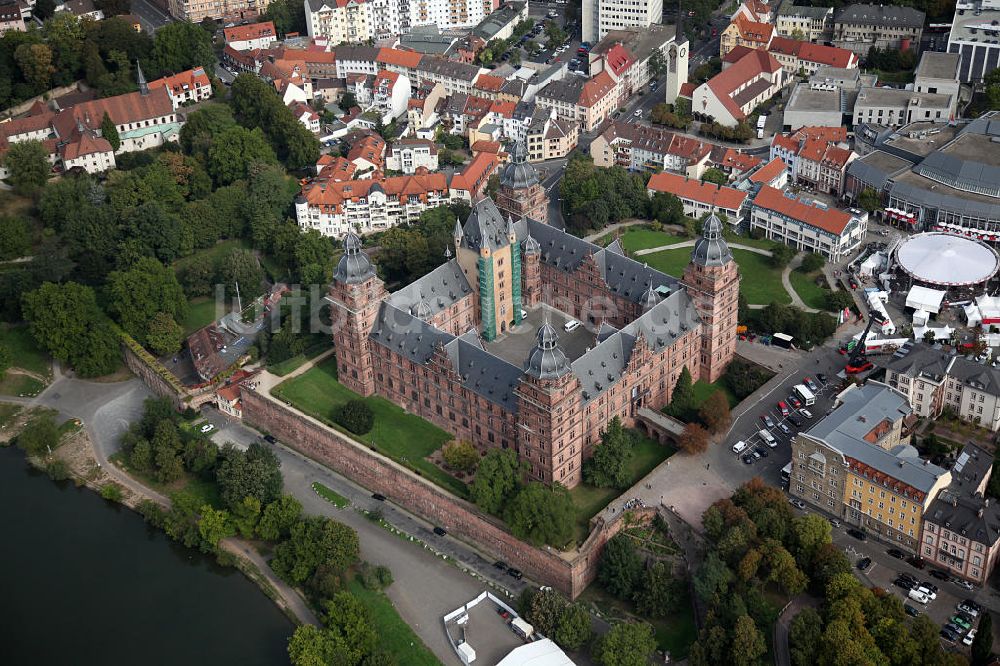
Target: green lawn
330,495
395,636
588,500
703,390
640,238
201,313
7,414
761,282
759,243
24,353
805,286
674,633
405,438
214,253
20,385
281,369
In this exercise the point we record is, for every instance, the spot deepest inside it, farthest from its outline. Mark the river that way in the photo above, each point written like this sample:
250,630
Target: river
87,582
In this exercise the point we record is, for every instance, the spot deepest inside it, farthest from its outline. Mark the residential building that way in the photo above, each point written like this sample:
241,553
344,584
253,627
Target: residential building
810,226
500,24
746,32
340,21
588,102
625,55
408,155
732,94
961,530
470,183
521,193
82,9
185,88
816,156
599,17
642,148
857,464
934,380
252,36
306,115
551,138
937,73
773,174
812,24
196,11
893,107
421,109
10,17
800,57
390,95
367,150
827,99
975,34
456,77
447,14
860,27
700,198
436,347
755,10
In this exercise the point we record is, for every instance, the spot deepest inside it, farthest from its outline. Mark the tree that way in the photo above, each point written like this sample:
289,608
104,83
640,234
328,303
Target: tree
347,101
497,478
620,569
242,267
608,466
214,526
35,61
40,436
15,236
659,592
694,440
278,517
813,261
350,623
546,610
781,255
804,637
715,412
312,543
110,132
627,644
312,646
203,126
713,576
540,514
28,163
164,334
574,628
287,15
714,176
4,360
181,46
666,208
255,472
748,644
147,291
810,533
460,455
982,644
870,200
356,416
658,64
838,300
682,398
234,151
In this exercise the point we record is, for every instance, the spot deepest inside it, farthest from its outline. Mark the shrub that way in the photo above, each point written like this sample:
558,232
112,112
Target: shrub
460,455
356,416
57,470
111,492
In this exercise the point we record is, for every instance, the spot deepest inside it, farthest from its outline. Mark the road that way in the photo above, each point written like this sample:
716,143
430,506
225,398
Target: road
150,16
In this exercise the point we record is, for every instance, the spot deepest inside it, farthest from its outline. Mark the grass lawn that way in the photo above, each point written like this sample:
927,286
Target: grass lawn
214,253
405,438
395,636
805,286
588,500
759,243
24,353
322,343
639,238
201,313
203,491
20,385
330,495
7,414
761,282
674,633
703,390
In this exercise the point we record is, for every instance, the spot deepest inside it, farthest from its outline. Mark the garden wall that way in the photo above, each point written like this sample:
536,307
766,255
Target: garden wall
569,574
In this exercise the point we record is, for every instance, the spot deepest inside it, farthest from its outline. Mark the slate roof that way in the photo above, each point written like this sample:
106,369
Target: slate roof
880,15
440,289
958,506
483,373
922,361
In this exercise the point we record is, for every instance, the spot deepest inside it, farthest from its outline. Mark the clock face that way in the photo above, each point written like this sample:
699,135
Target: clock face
683,52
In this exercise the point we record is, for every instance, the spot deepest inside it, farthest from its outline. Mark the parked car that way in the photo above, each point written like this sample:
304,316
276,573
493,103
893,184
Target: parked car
638,113
739,446
960,621
755,453
378,496
440,531
897,553
834,522
806,413
969,637
940,575
514,573
767,420
571,325
820,376
799,504
747,458
903,584
948,635
857,534
761,452
810,383
795,421
970,604
500,564
919,597
916,562
864,564
965,585
783,408
785,429
930,594
794,402
270,439
208,427
910,610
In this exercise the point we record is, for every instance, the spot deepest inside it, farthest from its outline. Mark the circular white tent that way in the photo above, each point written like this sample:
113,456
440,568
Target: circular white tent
947,260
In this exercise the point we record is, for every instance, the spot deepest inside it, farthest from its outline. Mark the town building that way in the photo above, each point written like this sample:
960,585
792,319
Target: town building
390,95
975,34
443,347
599,17
732,94
801,57
700,198
812,24
408,155
196,11
643,148
185,88
626,54
500,23
755,10
857,464
82,9
551,138
745,32
861,27
893,107
827,99
816,156
810,226
340,21
11,19
252,36
521,194
961,530
586,101
934,380
306,115
937,73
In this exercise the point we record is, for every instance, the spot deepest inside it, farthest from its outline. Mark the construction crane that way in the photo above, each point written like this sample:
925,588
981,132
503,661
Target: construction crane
858,361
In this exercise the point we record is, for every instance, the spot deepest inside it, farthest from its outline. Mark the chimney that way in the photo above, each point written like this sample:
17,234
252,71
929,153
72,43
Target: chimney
954,500
980,512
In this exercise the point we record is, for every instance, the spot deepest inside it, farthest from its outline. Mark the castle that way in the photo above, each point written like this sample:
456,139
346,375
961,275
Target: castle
472,346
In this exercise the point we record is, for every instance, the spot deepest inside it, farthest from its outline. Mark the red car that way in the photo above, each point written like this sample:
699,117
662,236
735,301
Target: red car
783,408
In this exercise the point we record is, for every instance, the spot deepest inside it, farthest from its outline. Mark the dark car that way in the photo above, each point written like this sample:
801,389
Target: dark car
916,562
748,459
820,376
500,564
857,534
795,421
767,420
903,584
440,531
910,610
514,573
864,563
795,402
940,575
972,604
948,635
897,553
270,439
762,452
378,496
930,586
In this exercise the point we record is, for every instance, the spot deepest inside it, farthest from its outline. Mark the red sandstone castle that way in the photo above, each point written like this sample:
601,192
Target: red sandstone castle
471,346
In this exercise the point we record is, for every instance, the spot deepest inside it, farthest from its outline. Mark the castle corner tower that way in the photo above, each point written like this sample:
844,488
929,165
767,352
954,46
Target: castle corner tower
712,280
521,194
356,294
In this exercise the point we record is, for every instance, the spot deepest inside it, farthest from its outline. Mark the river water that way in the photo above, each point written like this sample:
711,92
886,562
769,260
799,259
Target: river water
85,582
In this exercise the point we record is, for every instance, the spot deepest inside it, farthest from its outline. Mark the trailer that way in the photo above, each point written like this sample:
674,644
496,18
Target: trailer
782,340
805,395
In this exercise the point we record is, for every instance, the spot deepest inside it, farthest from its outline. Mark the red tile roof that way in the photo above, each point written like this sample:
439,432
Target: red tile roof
618,60
817,53
192,78
370,148
242,33
695,190
333,195
687,89
829,219
768,172
473,177
736,53
505,109
734,159
596,88
748,68
88,143
128,108
489,83
337,169
483,146
399,58
752,31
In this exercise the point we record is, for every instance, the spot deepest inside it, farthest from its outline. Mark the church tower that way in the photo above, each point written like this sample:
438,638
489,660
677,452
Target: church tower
356,294
520,194
712,280
550,415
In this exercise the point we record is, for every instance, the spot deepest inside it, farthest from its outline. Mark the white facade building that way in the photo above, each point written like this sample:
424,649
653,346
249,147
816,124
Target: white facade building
599,17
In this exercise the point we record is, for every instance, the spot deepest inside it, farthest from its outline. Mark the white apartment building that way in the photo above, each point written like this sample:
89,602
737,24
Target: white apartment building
938,73
892,107
812,24
390,94
249,37
447,14
340,21
408,155
807,226
599,17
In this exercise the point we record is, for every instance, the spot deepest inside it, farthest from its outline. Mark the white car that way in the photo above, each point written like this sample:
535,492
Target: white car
739,446
524,314
931,594
969,637
208,427
638,113
919,597
571,325
806,413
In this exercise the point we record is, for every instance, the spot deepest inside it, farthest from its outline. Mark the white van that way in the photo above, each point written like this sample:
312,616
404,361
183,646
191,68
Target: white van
739,446
919,596
768,438
571,325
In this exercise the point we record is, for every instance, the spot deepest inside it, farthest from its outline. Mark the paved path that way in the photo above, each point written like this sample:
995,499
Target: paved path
786,281
291,597
267,380
611,228
782,657
691,242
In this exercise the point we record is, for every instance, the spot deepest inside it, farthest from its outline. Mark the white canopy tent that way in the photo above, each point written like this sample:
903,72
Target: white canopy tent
922,298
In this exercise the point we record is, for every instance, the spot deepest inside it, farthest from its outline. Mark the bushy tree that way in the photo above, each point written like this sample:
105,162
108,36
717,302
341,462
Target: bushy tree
15,236
574,630
694,440
147,301
214,526
315,543
40,436
278,517
608,467
714,176
460,455
497,479
180,46
620,569
813,261
682,399
714,413
356,416
5,360
255,472
540,514
804,635
659,593
28,164
627,644
780,255
234,151
110,132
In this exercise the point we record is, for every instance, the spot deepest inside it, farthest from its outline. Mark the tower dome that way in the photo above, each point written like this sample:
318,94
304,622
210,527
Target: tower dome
711,249
531,246
649,298
547,360
519,174
355,266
